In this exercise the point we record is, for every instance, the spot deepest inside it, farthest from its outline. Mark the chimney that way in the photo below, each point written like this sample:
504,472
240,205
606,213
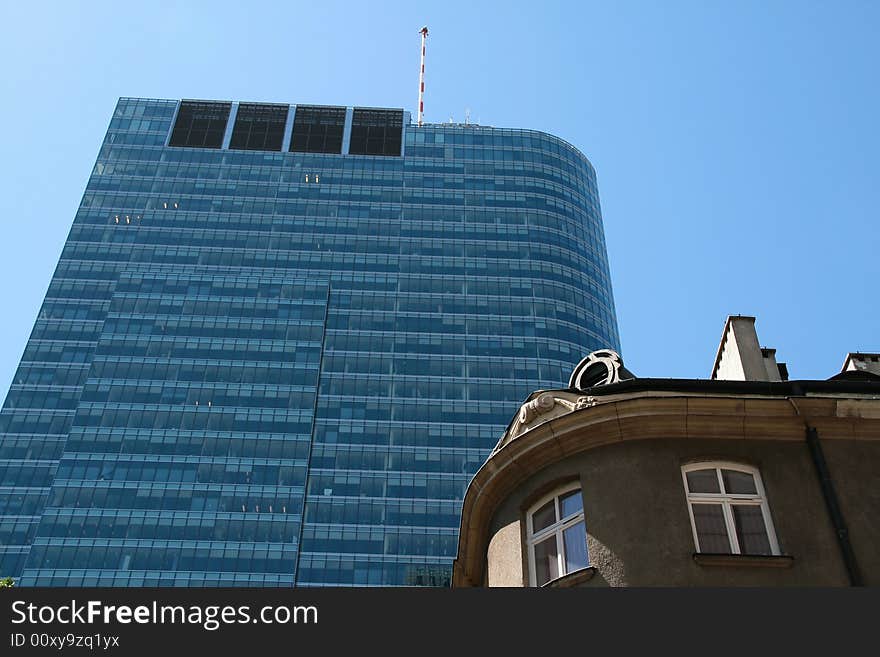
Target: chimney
740,356
857,361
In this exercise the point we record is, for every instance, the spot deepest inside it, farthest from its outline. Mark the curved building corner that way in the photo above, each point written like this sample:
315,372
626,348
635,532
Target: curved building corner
743,479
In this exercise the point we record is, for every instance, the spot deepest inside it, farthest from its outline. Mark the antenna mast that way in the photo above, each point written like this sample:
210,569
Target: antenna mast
424,33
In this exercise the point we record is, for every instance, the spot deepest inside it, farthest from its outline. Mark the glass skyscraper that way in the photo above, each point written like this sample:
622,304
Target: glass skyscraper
281,339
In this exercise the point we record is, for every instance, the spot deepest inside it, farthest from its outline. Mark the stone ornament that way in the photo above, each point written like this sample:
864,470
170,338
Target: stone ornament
599,368
538,406
585,402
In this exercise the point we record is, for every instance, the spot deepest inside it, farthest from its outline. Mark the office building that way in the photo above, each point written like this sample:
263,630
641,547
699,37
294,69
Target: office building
281,339
743,479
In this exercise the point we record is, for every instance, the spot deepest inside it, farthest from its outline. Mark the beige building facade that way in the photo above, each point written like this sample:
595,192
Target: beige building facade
746,478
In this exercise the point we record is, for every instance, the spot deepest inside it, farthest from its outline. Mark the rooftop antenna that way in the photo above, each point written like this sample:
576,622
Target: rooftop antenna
467,115
424,33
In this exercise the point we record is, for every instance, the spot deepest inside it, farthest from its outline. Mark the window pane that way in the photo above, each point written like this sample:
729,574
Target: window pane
544,517
711,530
750,529
571,503
739,483
703,481
575,540
546,561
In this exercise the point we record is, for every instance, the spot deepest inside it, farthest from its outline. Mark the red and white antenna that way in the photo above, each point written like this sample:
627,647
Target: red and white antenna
424,33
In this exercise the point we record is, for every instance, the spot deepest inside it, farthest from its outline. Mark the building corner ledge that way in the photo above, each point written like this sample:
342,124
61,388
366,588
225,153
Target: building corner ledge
572,579
744,560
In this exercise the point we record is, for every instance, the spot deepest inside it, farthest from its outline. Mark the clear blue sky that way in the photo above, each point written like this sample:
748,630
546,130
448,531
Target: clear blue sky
735,142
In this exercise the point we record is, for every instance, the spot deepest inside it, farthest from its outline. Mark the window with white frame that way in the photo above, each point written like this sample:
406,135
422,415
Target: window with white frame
728,509
557,536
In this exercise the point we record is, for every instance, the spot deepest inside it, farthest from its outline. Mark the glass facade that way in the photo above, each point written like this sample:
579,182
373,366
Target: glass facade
275,356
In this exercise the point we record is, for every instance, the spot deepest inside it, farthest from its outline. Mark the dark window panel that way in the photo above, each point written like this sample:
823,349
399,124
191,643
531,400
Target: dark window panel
376,132
318,129
200,124
259,127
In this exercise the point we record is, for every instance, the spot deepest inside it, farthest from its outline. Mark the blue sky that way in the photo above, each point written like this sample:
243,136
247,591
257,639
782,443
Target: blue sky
734,142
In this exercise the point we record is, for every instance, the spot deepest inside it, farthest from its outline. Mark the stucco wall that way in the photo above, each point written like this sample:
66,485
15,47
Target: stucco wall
855,472
505,568
639,531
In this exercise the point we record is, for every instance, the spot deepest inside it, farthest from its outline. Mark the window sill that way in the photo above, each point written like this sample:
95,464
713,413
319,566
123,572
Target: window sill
572,579
746,560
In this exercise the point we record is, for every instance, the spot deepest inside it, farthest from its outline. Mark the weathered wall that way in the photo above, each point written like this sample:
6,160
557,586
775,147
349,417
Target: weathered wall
855,472
506,555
